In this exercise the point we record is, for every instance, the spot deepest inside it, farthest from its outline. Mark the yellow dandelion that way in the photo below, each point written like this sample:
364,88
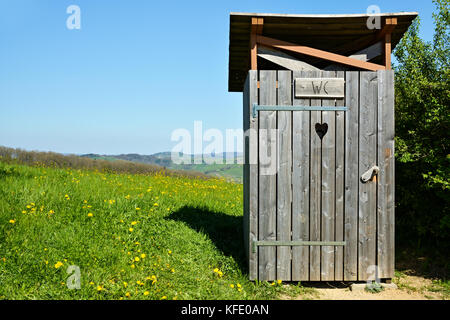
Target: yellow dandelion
163,298
125,284
90,214
131,229
143,255
99,288
146,293
12,221
133,223
231,285
136,259
127,294
58,264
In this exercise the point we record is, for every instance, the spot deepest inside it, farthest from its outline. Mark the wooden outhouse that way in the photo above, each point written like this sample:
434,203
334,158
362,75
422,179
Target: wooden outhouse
318,94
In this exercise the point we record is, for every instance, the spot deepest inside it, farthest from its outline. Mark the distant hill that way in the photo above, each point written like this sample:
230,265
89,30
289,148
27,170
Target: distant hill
89,162
232,171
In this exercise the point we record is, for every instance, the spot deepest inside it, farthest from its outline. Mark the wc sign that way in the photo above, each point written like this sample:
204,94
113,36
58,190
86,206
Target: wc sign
319,88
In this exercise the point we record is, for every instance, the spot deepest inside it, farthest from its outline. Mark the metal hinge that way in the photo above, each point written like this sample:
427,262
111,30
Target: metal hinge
257,108
256,244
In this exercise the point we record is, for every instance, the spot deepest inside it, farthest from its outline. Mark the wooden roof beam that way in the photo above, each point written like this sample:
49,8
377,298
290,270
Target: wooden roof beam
388,28
325,55
385,34
256,29
366,54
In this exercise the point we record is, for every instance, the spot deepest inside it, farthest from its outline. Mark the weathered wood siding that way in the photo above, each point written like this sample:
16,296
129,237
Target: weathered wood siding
301,187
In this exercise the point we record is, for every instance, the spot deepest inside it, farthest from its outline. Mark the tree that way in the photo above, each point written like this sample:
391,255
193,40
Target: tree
422,108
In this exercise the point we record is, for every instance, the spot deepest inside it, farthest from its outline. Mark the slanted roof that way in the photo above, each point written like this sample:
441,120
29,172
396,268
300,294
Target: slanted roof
344,34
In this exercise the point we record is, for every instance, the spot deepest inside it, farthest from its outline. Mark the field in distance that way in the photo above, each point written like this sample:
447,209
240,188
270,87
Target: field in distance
232,171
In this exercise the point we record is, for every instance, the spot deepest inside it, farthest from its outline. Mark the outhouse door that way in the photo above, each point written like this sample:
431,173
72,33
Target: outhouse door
321,183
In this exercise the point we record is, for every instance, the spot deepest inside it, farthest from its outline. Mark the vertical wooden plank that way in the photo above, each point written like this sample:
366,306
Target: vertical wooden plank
328,186
315,189
246,167
351,176
386,176
339,213
367,159
252,175
284,182
267,174
300,185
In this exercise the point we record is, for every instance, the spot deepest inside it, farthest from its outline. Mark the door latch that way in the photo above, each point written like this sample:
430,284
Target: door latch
369,174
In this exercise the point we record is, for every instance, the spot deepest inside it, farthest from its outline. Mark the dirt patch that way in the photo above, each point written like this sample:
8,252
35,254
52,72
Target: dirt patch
409,288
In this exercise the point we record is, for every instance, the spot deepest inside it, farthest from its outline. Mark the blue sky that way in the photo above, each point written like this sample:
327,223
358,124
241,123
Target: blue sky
136,71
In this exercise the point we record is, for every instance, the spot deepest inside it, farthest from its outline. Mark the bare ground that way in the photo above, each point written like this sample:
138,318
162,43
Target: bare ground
412,281
409,288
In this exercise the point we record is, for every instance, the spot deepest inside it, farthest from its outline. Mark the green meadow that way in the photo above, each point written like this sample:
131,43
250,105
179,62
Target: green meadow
141,236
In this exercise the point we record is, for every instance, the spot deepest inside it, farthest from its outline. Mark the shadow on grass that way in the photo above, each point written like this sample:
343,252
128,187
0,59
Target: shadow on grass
225,231
422,262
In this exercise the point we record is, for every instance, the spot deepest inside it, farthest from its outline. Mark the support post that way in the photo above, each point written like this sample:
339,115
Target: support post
257,25
387,51
386,35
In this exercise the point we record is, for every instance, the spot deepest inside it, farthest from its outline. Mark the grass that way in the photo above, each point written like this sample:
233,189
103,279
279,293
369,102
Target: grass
426,263
132,236
373,287
442,287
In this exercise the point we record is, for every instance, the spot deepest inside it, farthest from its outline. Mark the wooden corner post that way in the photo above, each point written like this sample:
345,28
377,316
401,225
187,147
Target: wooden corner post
386,35
257,26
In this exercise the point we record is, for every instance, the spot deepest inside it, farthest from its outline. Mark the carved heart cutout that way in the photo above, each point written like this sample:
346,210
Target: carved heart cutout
321,129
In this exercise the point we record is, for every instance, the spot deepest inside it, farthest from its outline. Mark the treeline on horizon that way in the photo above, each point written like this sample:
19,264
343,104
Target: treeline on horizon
57,160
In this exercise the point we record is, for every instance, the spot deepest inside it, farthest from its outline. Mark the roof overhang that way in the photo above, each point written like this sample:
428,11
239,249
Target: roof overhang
342,34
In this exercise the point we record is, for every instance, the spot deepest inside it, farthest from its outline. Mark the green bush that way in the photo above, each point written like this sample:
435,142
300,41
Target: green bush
422,135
